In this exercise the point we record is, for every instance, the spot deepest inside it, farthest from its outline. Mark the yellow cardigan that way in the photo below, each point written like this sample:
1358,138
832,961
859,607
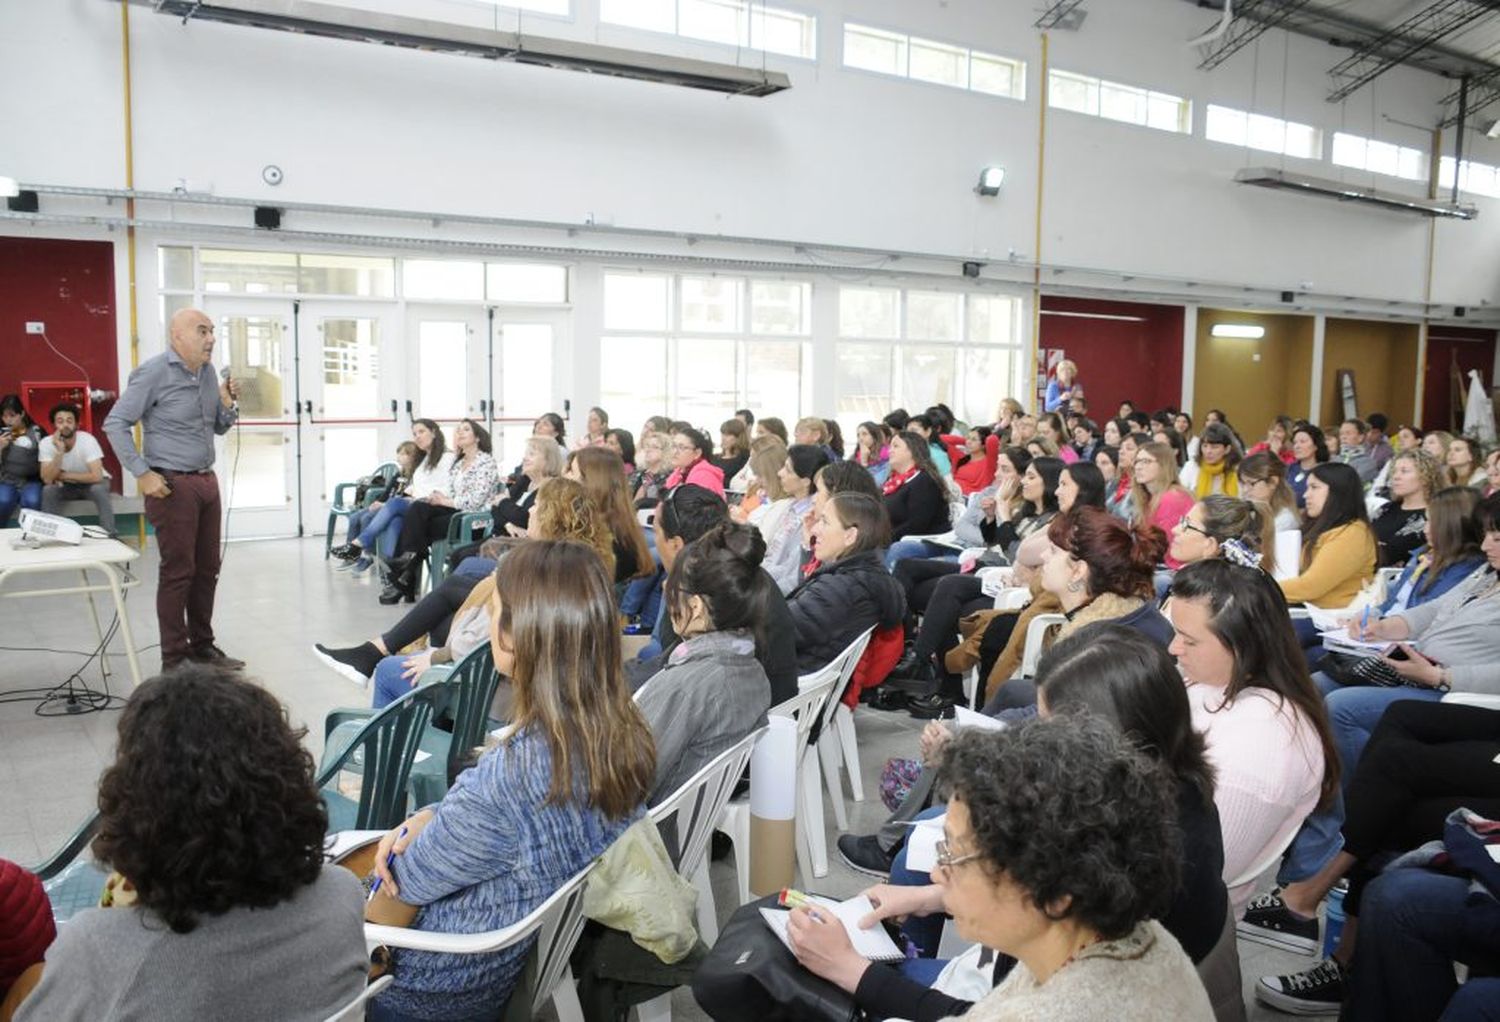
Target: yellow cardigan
1343,560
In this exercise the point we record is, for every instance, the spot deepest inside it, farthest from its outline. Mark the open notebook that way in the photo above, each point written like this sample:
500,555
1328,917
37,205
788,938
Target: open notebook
874,943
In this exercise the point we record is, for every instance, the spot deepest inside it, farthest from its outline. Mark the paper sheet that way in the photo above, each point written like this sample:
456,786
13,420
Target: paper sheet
874,943
966,718
921,844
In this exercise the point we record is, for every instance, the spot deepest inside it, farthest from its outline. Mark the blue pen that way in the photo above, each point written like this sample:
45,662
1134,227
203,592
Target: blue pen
1364,623
390,860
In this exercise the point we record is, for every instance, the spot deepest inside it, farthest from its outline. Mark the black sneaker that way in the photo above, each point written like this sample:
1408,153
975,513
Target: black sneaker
1268,921
347,553
864,854
1317,991
356,663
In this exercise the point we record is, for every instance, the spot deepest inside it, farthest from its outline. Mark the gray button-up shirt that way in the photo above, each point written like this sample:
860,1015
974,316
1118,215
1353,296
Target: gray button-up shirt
179,413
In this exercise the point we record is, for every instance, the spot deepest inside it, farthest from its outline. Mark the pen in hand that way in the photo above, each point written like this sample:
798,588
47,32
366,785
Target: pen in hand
390,860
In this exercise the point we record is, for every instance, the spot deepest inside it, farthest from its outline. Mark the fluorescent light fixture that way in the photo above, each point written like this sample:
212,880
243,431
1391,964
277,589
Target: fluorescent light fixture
1491,129
1242,330
1306,184
9,187
1093,315
990,180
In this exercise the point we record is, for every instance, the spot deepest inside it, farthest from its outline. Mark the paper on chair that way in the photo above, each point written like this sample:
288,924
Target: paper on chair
966,718
922,842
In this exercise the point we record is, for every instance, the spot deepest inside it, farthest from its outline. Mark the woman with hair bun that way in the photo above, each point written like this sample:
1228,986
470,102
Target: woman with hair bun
1220,526
712,691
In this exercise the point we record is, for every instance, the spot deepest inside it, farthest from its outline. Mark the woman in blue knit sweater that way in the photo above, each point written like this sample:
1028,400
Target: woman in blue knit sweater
569,775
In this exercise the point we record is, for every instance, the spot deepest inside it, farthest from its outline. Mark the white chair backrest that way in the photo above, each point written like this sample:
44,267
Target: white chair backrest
1288,553
842,668
1035,633
804,707
559,920
647,517
355,1009
698,803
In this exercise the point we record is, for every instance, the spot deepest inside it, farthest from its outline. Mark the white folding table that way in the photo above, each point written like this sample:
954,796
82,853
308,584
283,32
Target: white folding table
108,557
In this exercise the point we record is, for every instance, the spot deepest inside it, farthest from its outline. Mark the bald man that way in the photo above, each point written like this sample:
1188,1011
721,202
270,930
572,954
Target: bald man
180,403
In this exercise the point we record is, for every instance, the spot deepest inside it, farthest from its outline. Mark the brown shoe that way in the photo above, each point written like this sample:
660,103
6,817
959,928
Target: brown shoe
212,654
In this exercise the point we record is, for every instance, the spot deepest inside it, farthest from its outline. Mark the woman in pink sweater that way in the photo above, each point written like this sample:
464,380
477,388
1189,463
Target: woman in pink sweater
1158,498
690,453
1251,695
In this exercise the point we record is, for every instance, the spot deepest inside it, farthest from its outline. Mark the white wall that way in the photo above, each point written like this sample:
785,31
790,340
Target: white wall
844,157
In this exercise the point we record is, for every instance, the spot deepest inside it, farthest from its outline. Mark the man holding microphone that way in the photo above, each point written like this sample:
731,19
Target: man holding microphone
180,403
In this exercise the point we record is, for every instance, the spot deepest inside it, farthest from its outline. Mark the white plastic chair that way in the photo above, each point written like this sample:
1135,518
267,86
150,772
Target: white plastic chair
1482,700
696,807
834,751
734,821
1010,598
558,923
355,1009
1036,634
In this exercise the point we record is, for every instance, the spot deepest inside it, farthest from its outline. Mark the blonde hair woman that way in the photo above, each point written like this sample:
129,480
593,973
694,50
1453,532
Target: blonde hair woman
1158,498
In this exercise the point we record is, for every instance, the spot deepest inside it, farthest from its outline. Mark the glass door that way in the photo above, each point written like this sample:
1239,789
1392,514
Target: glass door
352,418
257,459
531,355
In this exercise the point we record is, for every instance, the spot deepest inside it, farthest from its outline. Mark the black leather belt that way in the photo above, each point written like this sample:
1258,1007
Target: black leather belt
180,472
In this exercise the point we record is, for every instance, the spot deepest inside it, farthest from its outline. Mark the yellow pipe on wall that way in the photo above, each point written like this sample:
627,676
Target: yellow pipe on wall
1036,279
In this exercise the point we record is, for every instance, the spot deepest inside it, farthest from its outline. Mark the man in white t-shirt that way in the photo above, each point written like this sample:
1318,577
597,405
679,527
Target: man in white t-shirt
72,465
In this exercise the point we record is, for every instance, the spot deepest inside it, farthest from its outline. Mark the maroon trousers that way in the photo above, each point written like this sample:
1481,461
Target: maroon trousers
187,534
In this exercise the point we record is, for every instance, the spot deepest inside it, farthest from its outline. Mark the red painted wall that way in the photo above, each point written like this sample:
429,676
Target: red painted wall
1119,359
69,286
1472,348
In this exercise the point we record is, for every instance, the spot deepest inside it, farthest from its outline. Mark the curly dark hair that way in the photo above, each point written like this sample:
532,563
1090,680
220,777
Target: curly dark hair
1074,814
210,804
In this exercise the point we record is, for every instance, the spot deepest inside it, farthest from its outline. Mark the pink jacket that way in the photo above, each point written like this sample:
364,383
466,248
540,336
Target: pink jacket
700,473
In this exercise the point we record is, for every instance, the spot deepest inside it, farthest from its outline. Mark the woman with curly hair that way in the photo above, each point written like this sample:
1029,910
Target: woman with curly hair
1060,849
1412,481
566,777
563,511
210,815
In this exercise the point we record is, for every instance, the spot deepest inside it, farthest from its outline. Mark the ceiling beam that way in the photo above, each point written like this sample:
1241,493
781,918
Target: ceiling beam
1399,43
1056,13
1252,19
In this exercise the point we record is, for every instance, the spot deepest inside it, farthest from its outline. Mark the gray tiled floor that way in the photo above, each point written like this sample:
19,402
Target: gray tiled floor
276,598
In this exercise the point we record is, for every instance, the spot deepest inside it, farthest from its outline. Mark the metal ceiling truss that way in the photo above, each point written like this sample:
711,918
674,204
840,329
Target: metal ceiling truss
1252,19
1483,90
1061,14
1401,42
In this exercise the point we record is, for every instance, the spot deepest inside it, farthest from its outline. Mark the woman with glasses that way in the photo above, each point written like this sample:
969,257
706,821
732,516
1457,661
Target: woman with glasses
1070,894
691,454
1214,523
1158,499
1263,480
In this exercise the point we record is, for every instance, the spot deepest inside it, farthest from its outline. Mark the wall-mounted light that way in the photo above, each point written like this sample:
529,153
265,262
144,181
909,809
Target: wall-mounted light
1246,331
9,186
990,180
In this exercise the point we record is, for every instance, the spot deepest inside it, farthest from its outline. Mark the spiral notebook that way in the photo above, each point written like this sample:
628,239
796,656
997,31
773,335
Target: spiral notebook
874,943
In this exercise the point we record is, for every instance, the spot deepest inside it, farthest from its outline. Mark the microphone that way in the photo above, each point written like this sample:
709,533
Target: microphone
224,374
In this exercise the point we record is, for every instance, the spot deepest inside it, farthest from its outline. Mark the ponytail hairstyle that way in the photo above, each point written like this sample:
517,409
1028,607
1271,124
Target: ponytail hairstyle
921,456
439,445
858,510
1263,465
1248,614
722,567
1454,526
559,427
1121,558
1246,523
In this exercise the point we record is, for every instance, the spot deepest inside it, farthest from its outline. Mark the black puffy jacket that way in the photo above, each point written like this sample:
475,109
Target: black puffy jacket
840,600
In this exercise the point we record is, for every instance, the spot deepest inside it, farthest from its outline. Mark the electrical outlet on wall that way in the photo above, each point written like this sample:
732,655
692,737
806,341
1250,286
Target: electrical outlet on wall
35,326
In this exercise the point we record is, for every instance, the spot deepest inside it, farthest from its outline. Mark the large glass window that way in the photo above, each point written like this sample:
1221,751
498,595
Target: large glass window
1379,157
251,272
914,349
1113,101
442,280
928,60
744,23
1258,131
351,368
697,347
1477,178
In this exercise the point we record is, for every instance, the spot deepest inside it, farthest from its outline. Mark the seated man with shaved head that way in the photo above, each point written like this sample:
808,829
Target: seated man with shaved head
178,400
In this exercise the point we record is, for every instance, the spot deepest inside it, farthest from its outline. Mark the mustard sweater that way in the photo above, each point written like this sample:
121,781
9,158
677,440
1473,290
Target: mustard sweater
1342,561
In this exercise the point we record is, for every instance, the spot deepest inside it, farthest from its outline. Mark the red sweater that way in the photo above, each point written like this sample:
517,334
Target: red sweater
28,929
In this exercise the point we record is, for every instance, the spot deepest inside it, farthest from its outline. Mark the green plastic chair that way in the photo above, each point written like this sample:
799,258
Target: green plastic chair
463,529
464,691
73,883
381,750
343,506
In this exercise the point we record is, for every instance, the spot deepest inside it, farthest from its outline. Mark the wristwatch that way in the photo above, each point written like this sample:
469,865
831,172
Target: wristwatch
1445,682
